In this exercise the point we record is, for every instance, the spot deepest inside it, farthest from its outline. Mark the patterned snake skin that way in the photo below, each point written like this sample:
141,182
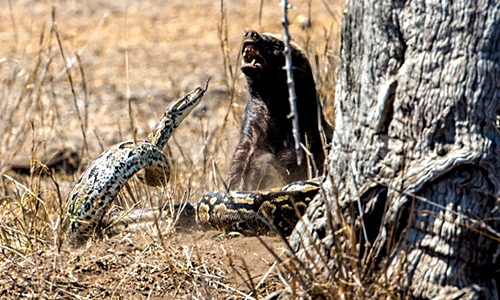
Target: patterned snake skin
93,193
247,212
255,212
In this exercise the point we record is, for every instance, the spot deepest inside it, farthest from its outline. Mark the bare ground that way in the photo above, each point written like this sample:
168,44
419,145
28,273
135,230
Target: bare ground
89,74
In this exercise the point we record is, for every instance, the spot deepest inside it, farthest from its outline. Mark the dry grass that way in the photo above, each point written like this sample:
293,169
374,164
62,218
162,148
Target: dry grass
89,74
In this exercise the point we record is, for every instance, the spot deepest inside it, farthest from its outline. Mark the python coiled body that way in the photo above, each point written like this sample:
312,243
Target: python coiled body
92,195
257,212
247,212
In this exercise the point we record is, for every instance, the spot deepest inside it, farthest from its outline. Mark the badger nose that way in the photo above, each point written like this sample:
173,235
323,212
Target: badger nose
251,34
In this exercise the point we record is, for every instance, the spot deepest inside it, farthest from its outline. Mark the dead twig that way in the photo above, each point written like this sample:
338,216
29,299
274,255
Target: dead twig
291,84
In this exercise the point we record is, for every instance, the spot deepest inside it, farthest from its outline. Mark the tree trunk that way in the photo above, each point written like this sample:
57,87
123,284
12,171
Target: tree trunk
414,171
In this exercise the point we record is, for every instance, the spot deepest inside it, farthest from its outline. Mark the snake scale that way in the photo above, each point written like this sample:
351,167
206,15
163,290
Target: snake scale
248,212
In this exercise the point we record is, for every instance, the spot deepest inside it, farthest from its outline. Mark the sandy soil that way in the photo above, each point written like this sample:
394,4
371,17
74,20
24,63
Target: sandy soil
128,60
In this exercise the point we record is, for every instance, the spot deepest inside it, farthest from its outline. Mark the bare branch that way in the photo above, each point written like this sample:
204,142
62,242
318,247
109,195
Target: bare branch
291,84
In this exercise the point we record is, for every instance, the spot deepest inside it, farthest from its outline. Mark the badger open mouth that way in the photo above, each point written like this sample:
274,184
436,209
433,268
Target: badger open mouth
251,56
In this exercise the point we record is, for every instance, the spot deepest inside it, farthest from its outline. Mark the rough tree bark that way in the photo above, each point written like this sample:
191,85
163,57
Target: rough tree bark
414,167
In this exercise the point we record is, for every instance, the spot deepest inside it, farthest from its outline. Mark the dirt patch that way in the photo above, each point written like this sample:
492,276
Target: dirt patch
191,264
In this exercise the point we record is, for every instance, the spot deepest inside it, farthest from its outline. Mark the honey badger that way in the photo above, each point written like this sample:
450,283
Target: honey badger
265,154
